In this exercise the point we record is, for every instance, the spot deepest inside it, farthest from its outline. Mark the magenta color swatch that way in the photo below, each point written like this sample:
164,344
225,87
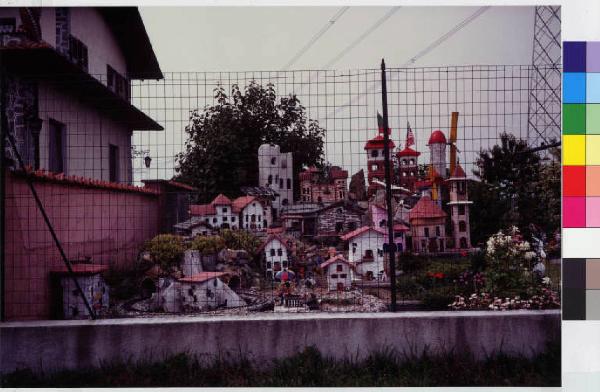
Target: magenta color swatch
593,57
574,211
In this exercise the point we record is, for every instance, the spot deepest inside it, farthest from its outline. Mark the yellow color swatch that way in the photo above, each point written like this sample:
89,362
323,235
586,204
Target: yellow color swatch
592,147
574,150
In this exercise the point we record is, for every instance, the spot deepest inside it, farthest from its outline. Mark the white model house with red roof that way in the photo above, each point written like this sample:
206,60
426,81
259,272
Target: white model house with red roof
339,273
206,291
365,251
277,251
245,212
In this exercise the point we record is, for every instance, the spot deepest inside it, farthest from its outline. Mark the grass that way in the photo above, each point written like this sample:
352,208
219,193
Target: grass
310,369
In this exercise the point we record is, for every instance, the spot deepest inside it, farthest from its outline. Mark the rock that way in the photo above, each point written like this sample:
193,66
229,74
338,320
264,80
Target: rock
169,295
357,189
192,263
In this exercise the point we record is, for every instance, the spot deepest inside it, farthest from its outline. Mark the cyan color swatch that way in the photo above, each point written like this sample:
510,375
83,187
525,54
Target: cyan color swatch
574,87
592,89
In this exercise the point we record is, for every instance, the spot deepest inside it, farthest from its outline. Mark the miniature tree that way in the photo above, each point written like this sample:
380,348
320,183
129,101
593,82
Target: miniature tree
221,151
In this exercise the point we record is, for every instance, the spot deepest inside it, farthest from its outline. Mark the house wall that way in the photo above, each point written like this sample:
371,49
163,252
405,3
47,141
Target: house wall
272,162
323,193
418,227
334,276
254,208
368,240
329,219
107,225
276,245
208,295
89,134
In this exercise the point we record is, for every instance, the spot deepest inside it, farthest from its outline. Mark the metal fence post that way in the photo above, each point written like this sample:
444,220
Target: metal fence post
388,189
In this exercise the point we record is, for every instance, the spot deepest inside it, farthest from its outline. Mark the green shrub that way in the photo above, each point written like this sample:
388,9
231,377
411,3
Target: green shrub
165,249
208,245
439,299
240,239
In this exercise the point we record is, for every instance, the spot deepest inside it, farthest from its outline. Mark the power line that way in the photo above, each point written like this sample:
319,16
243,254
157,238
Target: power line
462,24
316,37
364,35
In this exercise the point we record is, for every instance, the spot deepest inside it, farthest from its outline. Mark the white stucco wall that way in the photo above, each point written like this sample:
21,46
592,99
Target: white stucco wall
225,216
368,240
254,208
334,276
279,166
276,245
208,295
89,134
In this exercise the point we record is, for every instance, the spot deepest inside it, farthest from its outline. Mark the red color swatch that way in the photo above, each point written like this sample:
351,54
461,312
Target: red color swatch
574,181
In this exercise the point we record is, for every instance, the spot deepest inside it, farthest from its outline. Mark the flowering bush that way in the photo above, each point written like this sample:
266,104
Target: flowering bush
509,258
546,299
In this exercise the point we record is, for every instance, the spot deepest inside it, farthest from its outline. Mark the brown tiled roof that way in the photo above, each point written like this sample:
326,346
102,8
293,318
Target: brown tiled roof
221,200
426,208
86,182
334,259
81,269
359,231
172,183
241,202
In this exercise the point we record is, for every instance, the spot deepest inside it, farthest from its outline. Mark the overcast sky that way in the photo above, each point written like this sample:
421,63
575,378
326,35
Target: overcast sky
490,100
266,38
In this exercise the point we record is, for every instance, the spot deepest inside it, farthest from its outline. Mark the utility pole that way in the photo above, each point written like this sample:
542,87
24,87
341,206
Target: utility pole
391,246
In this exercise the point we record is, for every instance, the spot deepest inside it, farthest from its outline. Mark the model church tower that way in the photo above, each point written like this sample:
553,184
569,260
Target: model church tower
376,157
408,163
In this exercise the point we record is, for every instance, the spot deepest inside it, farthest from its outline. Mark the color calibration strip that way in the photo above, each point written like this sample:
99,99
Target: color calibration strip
581,173
581,134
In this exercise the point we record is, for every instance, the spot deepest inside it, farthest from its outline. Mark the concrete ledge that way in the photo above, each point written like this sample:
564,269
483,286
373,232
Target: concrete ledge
54,345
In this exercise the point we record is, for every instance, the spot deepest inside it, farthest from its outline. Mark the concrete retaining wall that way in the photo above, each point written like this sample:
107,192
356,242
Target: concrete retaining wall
52,345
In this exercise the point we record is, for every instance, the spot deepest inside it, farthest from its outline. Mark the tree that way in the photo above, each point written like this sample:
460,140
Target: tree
516,188
221,151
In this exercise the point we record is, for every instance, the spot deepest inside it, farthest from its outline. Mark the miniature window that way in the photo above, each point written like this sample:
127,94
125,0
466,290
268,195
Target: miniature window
461,210
284,202
382,223
272,252
252,218
224,219
268,264
374,153
233,218
462,226
281,183
207,220
463,242
339,267
412,161
343,276
56,146
437,231
339,226
270,180
284,164
273,161
334,276
289,183
374,167
215,283
404,162
369,253
426,232
379,252
279,252
225,210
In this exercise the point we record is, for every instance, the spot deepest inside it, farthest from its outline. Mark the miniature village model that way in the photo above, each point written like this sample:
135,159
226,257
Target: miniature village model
431,211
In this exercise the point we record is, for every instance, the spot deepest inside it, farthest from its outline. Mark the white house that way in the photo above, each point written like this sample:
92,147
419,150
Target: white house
219,213
82,125
276,171
252,213
339,273
277,252
206,291
365,251
245,212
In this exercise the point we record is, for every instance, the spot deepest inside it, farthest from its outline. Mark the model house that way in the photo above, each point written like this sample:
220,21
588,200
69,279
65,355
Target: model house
277,252
67,73
365,251
276,171
459,208
245,212
314,220
206,291
428,226
339,273
327,185
380,219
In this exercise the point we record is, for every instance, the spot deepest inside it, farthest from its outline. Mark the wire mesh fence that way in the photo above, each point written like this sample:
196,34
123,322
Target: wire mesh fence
243,192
